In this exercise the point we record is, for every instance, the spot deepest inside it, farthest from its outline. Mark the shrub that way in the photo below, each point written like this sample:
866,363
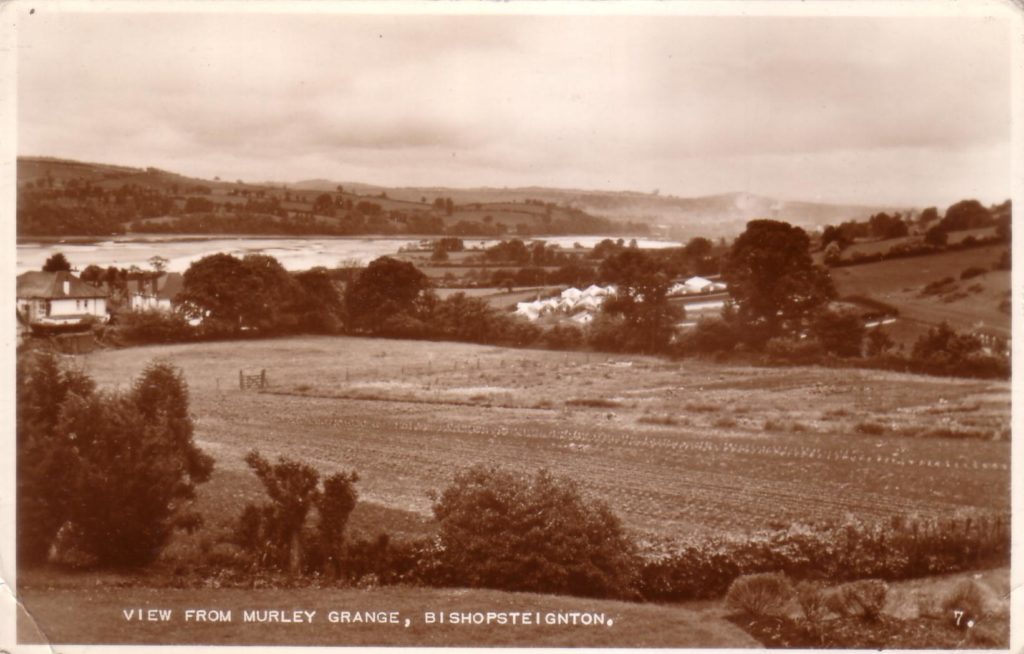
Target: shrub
153,327
760,595
794,350
563,337
839,332
900,549
972,271
811,598
274,532
127,462
859,599
965,603
506,531
707,336
938,286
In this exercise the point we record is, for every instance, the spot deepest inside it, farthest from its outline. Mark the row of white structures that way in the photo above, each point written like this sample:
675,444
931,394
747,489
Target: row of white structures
583,304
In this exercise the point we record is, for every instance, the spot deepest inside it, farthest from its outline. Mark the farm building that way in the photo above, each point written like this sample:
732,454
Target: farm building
158,293
696,286
58,299
571,301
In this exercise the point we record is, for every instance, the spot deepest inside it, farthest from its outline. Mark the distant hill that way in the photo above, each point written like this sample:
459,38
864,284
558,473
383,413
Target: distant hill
54,203
711,215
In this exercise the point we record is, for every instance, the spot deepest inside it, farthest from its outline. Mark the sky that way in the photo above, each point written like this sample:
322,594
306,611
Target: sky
885,110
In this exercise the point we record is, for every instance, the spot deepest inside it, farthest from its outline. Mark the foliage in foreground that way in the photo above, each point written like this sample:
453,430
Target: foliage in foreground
853,616
275,533
539,534
103,477
899,549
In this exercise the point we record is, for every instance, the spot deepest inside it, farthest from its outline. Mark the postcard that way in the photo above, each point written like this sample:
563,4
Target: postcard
521,325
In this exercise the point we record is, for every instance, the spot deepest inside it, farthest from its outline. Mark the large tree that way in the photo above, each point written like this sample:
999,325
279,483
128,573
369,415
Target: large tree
229,293
126,463
385,289
773,281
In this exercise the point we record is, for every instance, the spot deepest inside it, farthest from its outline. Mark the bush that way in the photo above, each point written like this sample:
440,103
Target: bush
900,549
126,461
707,336
839,332
965,603
510,532
761,595
563,337
794,350
811,598
859,599
275,533
153,326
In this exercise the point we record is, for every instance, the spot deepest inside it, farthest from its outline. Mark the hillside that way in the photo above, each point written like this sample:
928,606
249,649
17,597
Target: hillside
62,197
928,290
69,198
712,215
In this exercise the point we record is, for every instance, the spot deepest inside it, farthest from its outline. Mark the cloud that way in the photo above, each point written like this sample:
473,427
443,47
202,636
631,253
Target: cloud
586,101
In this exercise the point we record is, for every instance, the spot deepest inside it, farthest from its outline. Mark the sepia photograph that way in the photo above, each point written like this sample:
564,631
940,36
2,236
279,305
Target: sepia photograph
523,325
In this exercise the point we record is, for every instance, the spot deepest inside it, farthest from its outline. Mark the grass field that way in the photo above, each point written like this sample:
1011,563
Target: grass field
965,305
677,449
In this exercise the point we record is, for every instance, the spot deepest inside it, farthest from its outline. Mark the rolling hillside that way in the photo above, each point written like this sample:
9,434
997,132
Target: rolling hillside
108,199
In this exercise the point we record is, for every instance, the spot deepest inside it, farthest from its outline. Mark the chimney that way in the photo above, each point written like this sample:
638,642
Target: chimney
67,287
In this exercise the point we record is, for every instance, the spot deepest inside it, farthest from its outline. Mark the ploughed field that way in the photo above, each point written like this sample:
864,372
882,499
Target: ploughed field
677,449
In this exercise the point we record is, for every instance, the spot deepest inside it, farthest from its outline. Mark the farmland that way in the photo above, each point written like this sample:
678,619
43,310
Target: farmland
677,449
964,303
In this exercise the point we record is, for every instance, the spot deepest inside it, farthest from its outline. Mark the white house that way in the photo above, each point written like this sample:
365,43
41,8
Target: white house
156,293
58,299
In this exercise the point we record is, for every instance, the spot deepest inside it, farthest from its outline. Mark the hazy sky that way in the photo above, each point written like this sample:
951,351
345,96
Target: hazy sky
869,110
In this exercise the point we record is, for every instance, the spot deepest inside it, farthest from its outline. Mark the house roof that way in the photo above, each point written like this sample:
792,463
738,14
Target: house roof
169,285
50,286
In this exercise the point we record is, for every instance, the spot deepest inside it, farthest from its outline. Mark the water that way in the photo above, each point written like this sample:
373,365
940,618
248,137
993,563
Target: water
293,253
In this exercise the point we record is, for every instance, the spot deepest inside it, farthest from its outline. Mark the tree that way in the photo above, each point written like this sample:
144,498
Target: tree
697,248
385,288
127,462
641,301
57,263
318,306
228,293
213,290
835,235
540,534
928,216
43,453
324,205
839,332
936,235
833,254
158,263
942,346
772,280
92,274
273,531
966,214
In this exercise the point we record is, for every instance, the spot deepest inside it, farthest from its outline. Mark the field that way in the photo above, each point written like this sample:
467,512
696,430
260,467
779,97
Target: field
965,304
677,449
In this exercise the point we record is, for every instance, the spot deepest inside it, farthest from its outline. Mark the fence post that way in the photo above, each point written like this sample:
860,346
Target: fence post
263,378
241,381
